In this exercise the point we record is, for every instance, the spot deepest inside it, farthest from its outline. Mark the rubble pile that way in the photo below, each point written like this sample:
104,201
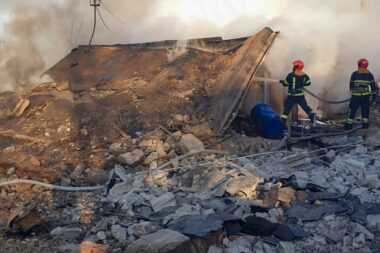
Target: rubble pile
173,195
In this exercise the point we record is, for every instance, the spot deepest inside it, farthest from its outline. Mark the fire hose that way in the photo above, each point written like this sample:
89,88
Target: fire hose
306,90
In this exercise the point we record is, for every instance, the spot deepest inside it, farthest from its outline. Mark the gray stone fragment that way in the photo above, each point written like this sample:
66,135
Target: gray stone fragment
67,248
373,222
119,233
360,229
132,158
239,245
182,211
214,249
120,189
101,235
354,164
162,241
190,143
66,232
122,173
197,225
163,201
287,247
142,228
301,179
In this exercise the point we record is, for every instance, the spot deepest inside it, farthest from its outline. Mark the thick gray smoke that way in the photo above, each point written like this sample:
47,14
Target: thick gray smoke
328,35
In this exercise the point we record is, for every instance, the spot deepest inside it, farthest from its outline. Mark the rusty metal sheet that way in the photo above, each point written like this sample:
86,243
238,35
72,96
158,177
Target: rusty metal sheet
236,79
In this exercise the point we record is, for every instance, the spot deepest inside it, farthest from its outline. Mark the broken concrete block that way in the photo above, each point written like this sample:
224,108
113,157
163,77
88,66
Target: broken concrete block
331,155
190,143
286,194
373,222
360,229
182,211
372,182
119,233
101,235
197,225
142,228
245,185
301,160
239,245
354,164
66,232
250,169
120,189
214,249
163,201
132,158
200,180
122,173
162,241
302,179
287,247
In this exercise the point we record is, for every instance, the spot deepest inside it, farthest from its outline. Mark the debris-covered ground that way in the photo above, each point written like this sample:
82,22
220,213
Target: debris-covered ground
162,182
314,199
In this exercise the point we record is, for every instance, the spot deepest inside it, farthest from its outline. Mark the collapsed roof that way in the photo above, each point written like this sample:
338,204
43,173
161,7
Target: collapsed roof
172,68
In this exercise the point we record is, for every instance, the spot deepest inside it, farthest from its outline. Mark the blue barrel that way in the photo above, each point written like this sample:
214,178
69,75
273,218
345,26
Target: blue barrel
267,121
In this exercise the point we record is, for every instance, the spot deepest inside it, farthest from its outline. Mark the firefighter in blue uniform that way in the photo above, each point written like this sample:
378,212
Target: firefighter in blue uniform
295,81
362,87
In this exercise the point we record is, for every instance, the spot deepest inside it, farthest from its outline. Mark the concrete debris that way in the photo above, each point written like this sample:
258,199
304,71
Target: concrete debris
101,235
214,249
162,241
286,194
287,247
190,143
197,225
163,201
183,211
142,228
373,222
244,185
67,232
120,189
132,158
239,245
119,233
200,180
122,173
296,162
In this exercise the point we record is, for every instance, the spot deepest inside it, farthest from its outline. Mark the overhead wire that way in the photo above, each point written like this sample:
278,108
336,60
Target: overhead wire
111,13
104,23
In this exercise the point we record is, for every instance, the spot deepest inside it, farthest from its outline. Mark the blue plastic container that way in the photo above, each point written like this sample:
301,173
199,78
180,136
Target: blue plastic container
267,121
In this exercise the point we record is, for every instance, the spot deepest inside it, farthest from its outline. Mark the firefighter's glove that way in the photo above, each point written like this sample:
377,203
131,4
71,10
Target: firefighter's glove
282,82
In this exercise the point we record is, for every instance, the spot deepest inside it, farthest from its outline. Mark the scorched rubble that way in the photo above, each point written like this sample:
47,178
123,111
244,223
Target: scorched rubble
285,201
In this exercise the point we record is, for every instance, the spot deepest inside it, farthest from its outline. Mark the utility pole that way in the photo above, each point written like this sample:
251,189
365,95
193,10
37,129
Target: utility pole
95,4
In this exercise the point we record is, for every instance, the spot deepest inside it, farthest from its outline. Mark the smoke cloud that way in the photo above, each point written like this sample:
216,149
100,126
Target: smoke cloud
328,35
